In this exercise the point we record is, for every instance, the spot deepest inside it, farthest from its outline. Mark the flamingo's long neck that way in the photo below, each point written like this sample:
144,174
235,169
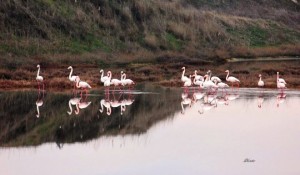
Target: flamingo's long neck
227,75
38,72
71,73
124,76
260,78
121,76
70,106
102,72
209,75
183,72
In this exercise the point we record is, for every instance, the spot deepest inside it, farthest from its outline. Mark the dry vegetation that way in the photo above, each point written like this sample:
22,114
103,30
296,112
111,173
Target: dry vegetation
139,36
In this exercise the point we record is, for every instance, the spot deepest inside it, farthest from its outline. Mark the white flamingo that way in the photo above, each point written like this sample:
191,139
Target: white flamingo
38,104
214,78
281,80
280,83
127,82
232,79
183,77
82,85
198,77
208,84
116,82
188,83
260,82
197,82
72,78
103,78
39,78
107,82
73,101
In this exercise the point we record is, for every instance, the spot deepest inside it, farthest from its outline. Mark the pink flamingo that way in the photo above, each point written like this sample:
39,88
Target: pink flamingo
39,78
82,85
232,79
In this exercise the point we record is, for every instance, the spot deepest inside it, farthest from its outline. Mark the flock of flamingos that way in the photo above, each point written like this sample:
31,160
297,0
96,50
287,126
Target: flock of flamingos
203,82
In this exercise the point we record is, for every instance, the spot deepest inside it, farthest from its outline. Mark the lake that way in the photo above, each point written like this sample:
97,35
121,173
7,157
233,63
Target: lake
150,130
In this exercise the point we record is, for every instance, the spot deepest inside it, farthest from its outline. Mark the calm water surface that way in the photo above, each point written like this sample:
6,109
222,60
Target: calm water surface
151,130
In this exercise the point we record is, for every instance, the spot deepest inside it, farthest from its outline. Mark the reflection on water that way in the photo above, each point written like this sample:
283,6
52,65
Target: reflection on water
152,130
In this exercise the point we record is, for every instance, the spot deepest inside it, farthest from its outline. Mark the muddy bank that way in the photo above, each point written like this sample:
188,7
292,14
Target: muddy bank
163,72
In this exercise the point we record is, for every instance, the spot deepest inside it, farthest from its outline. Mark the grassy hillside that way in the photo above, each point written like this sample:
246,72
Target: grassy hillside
149,39
196,28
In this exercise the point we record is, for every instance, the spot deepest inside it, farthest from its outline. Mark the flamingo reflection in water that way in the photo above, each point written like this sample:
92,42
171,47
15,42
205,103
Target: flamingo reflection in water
73,101
186,101
39,103
281,97
79,103
260,100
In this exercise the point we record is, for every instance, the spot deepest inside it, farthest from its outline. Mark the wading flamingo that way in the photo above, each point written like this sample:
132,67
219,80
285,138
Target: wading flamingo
260,82
214,78
116,82
197,82
72,78
39,78
82,85
107,82
198,77
232,80
280,83
208,84
103,78
127,82
188,83
221,85
183,77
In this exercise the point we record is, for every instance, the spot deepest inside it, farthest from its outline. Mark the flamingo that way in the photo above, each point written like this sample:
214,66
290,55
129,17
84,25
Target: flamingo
116,82
183,77
231,79
197,82
198,77
107,82
103,78
280,83
39,78
72,78
38,104
260,82
221,85
214,78
73,101
281,80
208,84
188,83
127,82
82,85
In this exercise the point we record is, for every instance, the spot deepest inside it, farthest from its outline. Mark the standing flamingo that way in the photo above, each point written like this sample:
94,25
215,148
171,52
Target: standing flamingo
127,82
232,80
208,84
72,78
280,83
183,77
82,85
116,82
188,83
39,78
198,77
103,78
214,78
260,82
107,82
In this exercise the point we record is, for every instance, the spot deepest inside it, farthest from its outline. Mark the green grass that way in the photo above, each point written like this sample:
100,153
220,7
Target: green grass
173,42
